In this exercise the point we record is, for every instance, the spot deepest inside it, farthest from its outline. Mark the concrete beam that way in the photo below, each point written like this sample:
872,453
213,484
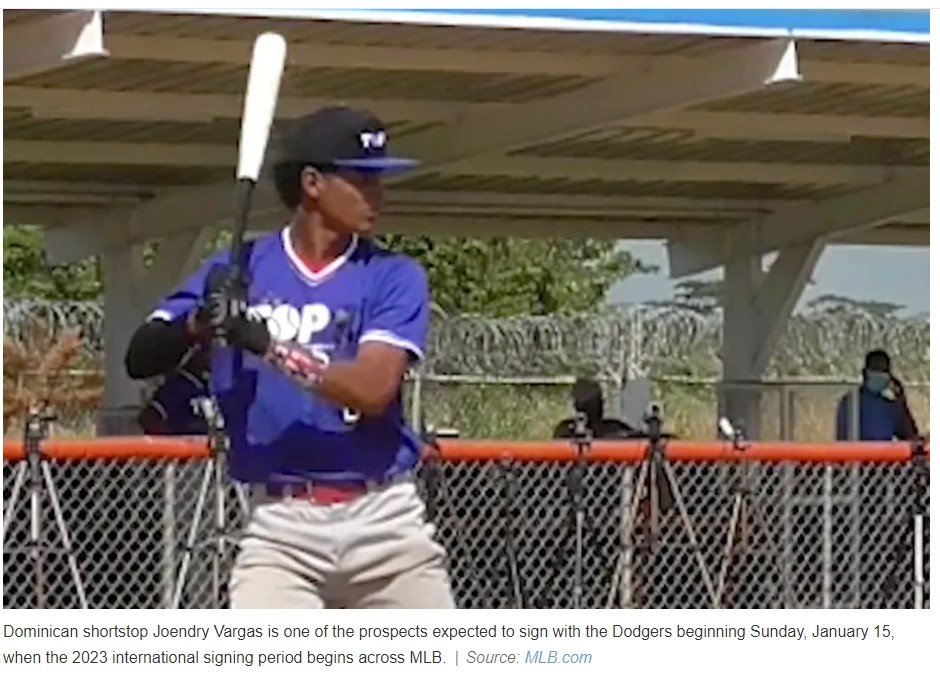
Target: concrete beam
718,208
103,189
857,210
779,291
648,87
100,104
889,235
59,39
46,214
192,209
585,168
535,227
119,153
796,127
45,191
162,106
167,48
889,74
568,167
643,89
802,222
320,55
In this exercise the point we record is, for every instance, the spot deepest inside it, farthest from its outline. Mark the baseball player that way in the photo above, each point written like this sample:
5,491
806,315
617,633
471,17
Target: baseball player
309,385
171,410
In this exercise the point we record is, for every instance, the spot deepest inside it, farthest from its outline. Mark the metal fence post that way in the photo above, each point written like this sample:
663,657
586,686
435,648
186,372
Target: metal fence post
626,538
416,409
856,533
827,537
169,534
921,488
787,537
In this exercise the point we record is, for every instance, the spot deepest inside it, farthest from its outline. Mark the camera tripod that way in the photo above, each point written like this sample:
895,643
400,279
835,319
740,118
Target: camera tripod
36,468
578,523
744,514
653,466
214,476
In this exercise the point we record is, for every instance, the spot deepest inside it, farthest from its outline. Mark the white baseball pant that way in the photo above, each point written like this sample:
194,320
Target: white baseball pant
376,551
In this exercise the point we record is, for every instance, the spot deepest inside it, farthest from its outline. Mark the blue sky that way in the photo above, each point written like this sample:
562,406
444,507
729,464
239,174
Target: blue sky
908,21
891,274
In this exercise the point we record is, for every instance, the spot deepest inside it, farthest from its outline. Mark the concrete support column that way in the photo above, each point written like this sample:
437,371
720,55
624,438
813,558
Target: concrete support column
131,292
756,305
740,338
123,312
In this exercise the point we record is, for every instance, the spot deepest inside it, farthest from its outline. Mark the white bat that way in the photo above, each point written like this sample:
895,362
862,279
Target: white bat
264,80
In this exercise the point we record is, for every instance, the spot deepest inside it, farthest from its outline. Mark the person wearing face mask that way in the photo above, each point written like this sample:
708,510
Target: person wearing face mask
883,412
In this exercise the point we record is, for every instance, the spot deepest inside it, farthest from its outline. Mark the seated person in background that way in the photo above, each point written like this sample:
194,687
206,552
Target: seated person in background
589,400
171,411
883,413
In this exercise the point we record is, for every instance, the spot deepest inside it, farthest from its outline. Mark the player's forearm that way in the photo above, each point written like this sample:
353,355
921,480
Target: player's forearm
156,348
357,384
353,385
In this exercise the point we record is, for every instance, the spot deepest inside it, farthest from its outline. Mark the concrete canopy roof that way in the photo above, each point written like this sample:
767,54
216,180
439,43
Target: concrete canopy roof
535,132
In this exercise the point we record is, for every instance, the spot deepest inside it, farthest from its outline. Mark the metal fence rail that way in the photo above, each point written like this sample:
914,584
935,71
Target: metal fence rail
773,525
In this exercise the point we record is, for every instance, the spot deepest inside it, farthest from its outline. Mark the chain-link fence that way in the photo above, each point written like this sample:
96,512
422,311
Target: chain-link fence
509,379
735,534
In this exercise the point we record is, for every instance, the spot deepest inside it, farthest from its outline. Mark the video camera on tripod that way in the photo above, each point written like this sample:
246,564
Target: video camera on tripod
653,419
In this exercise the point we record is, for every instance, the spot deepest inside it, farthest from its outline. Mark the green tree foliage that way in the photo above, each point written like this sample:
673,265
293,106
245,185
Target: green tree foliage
27,274
502,277
703,297
496,277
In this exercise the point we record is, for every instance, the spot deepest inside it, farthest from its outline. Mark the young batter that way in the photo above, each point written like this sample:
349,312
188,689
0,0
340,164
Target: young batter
310,387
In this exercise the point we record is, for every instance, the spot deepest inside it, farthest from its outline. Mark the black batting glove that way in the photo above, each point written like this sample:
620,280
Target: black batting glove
248,333
209,319
223,314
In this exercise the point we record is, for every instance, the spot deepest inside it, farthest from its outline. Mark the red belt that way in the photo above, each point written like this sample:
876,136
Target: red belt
323,492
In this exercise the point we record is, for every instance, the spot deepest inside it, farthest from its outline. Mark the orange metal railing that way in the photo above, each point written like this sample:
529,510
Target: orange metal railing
186,449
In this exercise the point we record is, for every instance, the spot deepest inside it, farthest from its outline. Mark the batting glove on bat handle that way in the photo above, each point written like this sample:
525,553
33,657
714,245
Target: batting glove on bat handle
247,333
213,312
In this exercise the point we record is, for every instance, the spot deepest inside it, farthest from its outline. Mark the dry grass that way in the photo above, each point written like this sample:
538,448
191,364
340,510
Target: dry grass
40,371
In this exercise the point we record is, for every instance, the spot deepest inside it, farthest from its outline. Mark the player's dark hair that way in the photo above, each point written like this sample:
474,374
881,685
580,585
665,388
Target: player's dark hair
287,176
287,183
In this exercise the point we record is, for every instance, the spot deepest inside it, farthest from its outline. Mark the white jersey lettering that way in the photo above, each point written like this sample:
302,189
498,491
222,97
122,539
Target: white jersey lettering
313,319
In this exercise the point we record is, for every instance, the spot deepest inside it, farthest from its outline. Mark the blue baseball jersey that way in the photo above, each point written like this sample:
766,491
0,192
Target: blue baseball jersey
277,430
879,419
173,402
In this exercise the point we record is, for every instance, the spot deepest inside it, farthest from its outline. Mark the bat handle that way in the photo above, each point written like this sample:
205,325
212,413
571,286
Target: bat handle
232,287
243,194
